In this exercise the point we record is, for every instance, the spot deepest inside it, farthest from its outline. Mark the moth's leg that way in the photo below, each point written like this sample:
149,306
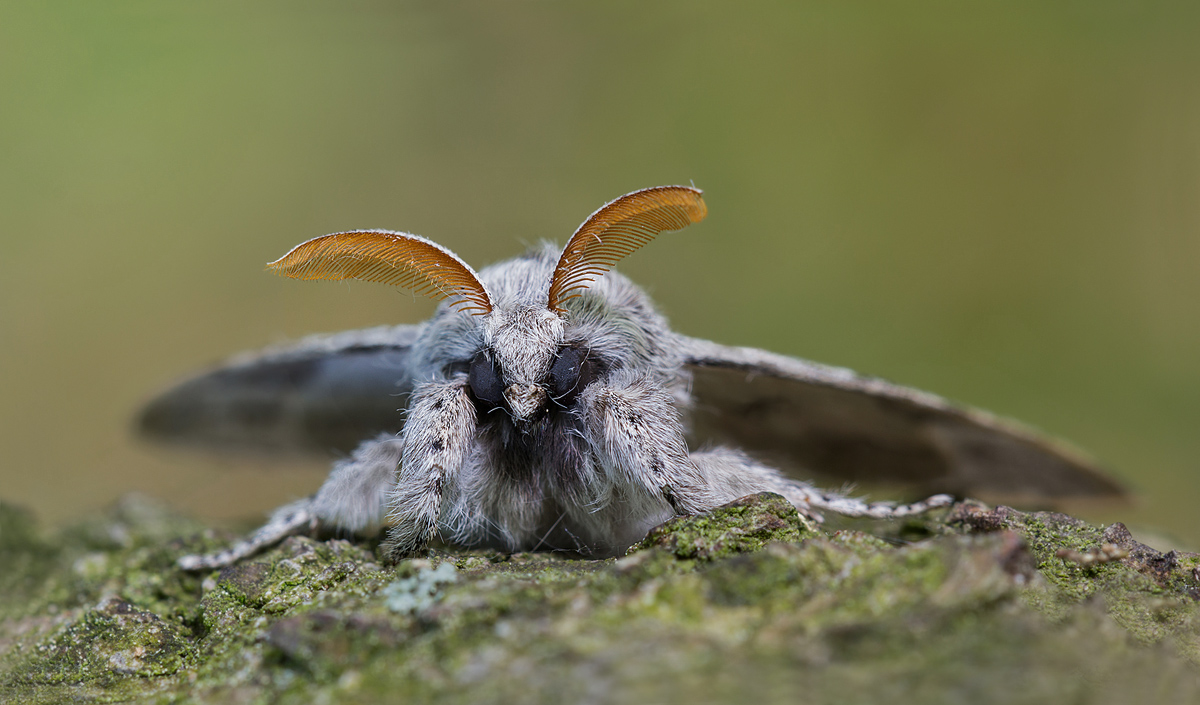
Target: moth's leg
351,500
733,475
637,434
437,436
286,521
853,507
354,497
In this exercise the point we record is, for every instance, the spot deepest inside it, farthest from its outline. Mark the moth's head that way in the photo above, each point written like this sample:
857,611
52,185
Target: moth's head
523,365
520,345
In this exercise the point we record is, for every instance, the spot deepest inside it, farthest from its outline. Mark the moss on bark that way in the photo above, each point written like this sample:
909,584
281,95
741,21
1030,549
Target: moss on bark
970,604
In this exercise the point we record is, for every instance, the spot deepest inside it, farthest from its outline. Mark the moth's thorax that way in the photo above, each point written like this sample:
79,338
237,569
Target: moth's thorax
524,340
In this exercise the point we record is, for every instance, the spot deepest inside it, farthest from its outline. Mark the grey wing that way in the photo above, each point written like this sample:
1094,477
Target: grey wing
830,422
323,394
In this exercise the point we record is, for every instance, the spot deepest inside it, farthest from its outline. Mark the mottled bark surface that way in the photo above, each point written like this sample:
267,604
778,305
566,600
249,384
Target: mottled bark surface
751,601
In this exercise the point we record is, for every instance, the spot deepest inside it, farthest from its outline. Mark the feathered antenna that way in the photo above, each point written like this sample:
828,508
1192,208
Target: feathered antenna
617,229
399,259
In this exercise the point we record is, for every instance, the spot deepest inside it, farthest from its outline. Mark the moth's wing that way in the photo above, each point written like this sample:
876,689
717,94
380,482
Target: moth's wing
829,422
323,394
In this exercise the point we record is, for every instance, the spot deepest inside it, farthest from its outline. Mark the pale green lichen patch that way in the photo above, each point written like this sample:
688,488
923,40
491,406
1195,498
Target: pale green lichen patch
750,602
420,591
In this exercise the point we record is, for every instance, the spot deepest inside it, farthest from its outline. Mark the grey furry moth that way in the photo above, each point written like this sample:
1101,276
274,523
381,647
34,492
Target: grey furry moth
547,406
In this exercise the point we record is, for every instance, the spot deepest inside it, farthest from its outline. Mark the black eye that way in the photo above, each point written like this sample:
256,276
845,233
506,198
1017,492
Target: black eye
486,382
571,372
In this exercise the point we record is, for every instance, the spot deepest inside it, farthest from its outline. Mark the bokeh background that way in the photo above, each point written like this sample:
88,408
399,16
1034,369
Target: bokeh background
998,202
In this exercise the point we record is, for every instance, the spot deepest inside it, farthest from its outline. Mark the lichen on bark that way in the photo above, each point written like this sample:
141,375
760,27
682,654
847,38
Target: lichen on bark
750,601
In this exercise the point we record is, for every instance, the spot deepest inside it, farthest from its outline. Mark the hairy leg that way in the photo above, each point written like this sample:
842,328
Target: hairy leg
637,437
354,497
437,438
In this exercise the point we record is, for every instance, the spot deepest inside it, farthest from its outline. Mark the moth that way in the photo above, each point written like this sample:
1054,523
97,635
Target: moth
547,405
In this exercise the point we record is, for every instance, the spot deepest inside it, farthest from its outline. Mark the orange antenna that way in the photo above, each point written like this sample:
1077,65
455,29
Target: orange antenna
617,229
399,259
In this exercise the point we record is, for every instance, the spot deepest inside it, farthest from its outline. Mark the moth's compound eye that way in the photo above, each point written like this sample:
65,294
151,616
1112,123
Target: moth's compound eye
571,372
486,382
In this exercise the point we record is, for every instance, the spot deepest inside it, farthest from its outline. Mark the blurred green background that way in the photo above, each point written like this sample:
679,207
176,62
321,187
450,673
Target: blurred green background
998,202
